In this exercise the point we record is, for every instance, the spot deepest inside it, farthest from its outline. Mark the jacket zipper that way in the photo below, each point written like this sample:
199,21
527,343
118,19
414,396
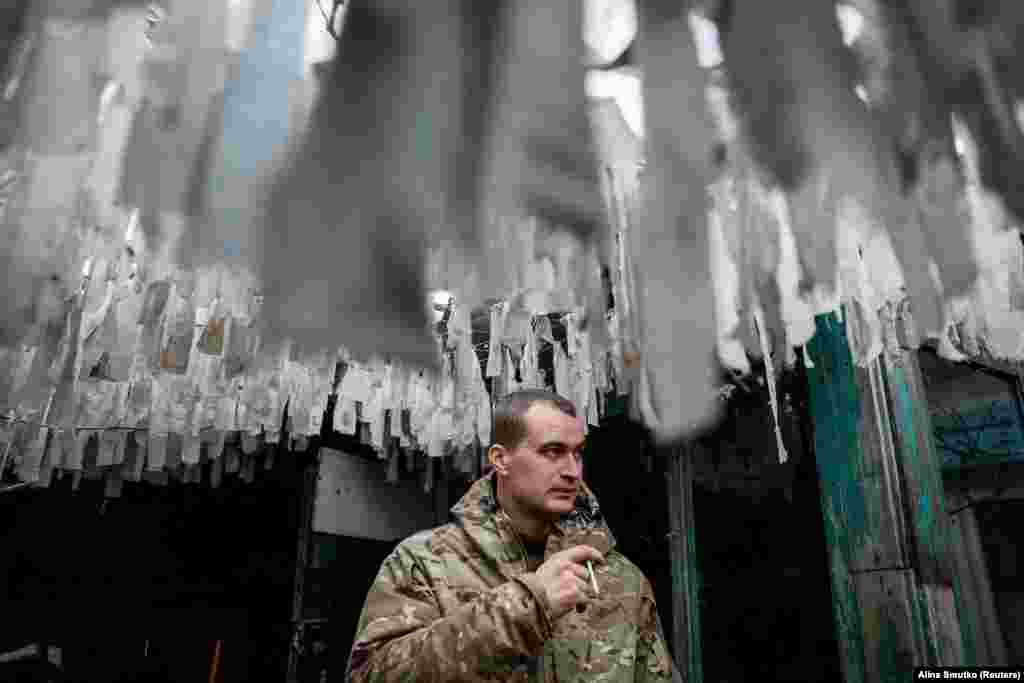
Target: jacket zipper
519,541
552,667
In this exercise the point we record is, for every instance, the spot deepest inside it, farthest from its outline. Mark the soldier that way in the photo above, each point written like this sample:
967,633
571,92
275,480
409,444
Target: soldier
524,585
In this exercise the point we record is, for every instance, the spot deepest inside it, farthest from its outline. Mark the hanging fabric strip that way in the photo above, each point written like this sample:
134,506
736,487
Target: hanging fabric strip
795,312
77,455
190,450
392,474
725,277
397,408
769,370
497,329
60,105
562,371
531,370
399,390
805,125
512,383
542,156
483,417
572,341
157,451
34,452
216,446
183,75
629,333
675,296
369,291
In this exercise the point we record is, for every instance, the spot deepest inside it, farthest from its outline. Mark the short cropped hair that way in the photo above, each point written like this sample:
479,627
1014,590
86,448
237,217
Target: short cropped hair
510,413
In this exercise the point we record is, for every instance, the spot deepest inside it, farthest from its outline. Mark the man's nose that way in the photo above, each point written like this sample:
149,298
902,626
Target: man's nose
574,470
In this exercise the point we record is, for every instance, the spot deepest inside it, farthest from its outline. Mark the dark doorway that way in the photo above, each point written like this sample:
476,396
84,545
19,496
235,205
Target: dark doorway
1002,538
150,581
766,598
767,604
336,586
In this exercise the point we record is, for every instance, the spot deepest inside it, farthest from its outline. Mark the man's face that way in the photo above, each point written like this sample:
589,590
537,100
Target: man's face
545,471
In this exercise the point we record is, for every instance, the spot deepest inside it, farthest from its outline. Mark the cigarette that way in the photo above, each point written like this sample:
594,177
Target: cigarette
593,580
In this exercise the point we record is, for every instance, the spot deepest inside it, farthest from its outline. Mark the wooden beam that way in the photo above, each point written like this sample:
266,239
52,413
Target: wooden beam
835,407
686,636
893,631
980,619
930,528
882,497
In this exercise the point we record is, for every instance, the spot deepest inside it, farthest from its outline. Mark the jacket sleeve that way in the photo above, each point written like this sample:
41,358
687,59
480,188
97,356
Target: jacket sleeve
653,661
403,636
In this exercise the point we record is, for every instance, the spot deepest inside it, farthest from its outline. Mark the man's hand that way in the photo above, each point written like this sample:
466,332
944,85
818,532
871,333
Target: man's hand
564,578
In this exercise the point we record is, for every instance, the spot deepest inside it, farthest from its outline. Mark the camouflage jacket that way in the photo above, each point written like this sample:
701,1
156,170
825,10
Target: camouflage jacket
457,603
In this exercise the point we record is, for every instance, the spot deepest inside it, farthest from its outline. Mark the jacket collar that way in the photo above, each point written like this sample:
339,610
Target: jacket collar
479,514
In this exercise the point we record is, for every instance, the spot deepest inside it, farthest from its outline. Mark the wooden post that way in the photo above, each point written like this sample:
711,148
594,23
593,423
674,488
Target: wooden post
979,619
889,536
685,573
930,531
835,407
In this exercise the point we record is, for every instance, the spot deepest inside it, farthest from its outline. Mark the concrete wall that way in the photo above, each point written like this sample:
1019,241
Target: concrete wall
354,499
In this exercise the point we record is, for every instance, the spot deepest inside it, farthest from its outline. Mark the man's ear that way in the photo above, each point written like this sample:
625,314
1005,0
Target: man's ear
497,455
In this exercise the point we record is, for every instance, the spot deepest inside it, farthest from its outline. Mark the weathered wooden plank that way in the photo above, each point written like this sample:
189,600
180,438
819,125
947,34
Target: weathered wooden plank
929,526
974,644
878,475
920,468
686,631
897,599
855,449
942,623
979,621
836,411
995,642
893,633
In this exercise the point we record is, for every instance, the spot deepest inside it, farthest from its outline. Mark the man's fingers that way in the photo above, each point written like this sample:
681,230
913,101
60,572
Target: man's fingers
578,570
579,554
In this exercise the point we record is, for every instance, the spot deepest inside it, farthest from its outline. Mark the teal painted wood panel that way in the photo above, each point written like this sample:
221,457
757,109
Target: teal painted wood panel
836,413
877,473
685,568
893,632
943,622
856,451
921,470
930,526
969,622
